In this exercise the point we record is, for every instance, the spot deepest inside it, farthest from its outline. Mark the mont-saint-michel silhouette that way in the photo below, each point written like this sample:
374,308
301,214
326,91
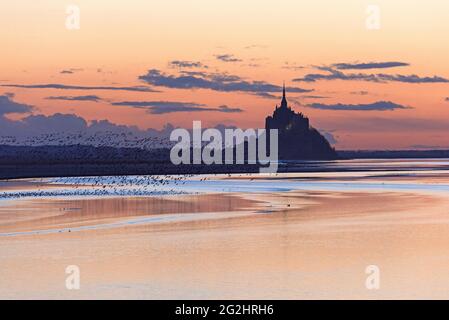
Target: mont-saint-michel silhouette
297,139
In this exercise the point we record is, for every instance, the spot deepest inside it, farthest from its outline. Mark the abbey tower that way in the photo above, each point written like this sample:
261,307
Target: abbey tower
297,139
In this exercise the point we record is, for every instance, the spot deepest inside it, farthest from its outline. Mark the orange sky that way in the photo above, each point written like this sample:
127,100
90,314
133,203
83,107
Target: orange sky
119,41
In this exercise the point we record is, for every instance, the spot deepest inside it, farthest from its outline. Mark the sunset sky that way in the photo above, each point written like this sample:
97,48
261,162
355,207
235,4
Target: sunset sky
147,63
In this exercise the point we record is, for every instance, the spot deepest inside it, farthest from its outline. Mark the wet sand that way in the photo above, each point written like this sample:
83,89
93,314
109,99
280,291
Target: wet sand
295,244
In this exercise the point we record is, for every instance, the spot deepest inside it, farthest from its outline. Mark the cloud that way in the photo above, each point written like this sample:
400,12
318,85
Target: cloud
40,124
361,93
163,107
314,97
334,74
227,58
75,98
193,73
70,71
142,104
56,122
7,105
369,65
33,125
73,87
214,81
413,78
187,64
376,106
226,109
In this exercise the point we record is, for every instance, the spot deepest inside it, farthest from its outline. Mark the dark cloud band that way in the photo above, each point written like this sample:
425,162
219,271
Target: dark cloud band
72,87
227,58
163,107
376,106
76,98
187,64
369,65
333,74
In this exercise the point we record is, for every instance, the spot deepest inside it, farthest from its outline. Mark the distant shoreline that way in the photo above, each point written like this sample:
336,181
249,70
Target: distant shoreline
393,154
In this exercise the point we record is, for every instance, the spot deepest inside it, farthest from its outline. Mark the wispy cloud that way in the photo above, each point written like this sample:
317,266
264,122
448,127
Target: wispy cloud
314,97
142,104
187,64
75,98
360,93
162,107
376,106
218,82
75,87
227,58
369,65
70,71
226,109
333,74
413,78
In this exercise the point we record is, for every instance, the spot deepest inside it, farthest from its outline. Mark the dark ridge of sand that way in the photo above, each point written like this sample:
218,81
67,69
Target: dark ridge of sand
83,160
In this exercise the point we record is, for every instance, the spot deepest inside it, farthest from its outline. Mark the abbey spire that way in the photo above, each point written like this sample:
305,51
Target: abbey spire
284,99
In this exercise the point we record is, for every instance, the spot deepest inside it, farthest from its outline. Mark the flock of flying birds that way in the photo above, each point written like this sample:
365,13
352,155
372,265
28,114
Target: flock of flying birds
143,185
96,139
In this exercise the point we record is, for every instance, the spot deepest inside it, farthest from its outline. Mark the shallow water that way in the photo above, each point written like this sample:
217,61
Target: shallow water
289,235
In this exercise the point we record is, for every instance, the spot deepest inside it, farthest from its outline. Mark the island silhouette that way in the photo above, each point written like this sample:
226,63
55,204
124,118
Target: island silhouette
297,139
